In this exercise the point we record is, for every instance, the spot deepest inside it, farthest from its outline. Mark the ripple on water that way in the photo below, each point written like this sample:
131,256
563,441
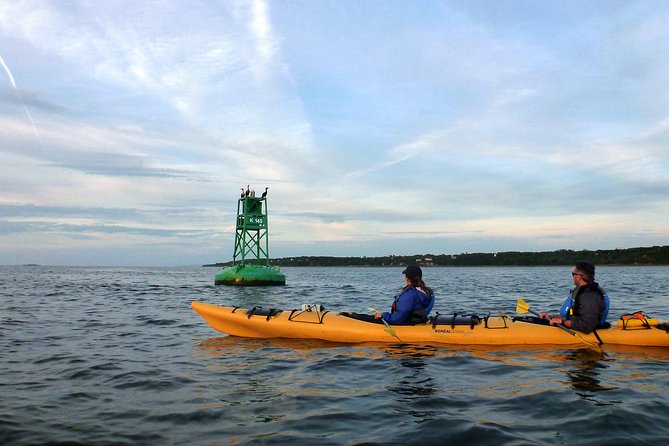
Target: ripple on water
116,356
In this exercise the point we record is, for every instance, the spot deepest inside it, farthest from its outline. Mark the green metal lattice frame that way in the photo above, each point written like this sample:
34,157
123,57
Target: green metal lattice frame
251,236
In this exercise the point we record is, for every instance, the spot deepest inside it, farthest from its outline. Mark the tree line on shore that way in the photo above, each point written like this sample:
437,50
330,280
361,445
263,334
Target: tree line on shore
655,255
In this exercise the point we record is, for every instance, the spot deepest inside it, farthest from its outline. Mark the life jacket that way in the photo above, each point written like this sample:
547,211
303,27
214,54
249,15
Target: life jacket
567,308
417,315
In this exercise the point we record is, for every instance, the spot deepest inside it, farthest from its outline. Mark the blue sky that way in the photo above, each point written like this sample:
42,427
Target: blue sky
380,127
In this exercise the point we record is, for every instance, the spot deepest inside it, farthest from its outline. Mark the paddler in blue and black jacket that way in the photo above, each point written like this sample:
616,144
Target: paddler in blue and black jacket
588,305
413,303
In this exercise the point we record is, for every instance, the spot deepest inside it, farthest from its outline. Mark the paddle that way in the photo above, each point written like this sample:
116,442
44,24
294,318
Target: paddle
522,307
388,328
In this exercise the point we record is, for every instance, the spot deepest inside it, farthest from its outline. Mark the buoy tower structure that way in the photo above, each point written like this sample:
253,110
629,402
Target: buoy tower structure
251,263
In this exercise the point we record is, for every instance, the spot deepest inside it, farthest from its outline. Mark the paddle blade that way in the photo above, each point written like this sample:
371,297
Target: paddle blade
388,328
588,343
522,307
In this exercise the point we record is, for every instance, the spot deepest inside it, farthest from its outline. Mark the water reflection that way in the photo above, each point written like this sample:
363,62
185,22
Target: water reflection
416,381
413,383
413,374
584,374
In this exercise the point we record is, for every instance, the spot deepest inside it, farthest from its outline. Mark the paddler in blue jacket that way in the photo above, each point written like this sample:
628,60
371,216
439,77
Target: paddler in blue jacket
413,303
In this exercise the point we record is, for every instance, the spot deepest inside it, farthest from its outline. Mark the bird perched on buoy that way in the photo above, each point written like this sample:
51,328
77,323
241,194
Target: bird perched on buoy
264,194
248,190
242,192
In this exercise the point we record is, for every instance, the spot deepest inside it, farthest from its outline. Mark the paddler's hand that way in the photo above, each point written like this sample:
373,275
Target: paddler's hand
544,315
377,316
556,321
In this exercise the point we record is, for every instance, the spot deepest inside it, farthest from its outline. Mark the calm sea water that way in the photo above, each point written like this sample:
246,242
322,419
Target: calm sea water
116,356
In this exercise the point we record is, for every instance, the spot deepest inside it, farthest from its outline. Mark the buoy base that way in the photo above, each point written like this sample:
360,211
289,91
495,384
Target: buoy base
250,275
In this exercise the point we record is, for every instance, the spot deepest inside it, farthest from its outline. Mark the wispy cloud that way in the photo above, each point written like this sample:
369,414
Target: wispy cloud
9,73
25,107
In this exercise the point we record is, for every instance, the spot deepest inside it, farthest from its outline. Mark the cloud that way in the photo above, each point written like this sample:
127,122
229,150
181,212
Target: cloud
30,99
377,127
265,42
219,69
9,73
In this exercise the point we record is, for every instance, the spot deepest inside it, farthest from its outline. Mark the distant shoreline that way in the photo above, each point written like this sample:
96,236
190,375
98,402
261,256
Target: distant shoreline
643,256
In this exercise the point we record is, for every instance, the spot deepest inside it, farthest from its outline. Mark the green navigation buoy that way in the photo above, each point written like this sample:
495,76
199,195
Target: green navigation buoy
251,247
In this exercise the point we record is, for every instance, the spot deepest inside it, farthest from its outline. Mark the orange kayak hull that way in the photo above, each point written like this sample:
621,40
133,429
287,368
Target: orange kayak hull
336,327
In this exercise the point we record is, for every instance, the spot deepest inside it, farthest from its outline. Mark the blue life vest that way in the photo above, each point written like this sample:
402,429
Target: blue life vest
421,297
568,305
429,306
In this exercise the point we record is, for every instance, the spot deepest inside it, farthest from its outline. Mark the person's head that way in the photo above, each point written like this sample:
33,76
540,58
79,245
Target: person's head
583,273
414,274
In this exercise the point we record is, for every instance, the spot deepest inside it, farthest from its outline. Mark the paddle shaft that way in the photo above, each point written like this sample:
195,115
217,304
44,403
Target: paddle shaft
389,329
563,327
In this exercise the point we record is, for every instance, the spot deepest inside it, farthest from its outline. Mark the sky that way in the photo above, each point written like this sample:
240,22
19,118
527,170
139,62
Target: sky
380,127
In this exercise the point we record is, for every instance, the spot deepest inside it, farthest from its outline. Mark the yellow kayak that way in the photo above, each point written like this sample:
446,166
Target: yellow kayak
442,329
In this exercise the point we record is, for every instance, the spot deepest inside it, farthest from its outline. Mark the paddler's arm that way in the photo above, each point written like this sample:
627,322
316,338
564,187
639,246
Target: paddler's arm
557,320
588,317
405,306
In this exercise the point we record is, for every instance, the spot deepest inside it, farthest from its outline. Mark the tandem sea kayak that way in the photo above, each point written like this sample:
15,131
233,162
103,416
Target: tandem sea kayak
442,329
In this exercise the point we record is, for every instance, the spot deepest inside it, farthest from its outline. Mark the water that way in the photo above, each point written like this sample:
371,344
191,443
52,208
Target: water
116,356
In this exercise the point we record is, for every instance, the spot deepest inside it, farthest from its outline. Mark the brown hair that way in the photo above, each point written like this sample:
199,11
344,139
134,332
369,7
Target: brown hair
417,282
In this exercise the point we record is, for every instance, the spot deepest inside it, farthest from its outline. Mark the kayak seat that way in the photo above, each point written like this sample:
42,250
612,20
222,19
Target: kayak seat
370,318
532,320
361,317
541,321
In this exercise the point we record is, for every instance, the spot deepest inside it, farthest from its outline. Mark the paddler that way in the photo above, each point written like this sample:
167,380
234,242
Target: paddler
587,306
413,303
